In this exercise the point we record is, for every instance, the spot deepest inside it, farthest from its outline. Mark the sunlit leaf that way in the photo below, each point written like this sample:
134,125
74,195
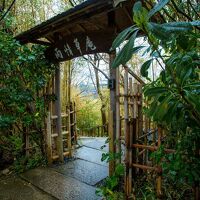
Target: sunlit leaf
126,53
123,36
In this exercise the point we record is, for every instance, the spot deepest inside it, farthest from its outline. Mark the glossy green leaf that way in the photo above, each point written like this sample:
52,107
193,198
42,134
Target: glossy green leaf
195,85
158,7
185,74
123,36
173,27
126,53
137,7
155,91
195,23
145,67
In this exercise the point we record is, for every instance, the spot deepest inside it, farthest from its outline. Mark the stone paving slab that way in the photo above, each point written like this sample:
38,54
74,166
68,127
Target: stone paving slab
60,186
84,171
13,188
95,143
91,155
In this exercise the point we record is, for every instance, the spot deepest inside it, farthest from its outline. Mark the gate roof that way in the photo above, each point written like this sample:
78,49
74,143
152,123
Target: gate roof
87,28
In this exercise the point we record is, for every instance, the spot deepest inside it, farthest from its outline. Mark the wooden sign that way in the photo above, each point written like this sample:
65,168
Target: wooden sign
80,44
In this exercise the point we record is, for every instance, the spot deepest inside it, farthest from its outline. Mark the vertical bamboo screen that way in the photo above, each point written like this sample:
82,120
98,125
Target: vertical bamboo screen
137,133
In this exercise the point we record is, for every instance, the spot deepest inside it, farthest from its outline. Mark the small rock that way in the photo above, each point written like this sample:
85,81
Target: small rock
5,171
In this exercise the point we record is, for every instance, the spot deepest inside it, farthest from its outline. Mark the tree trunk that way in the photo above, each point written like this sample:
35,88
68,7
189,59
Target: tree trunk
103,103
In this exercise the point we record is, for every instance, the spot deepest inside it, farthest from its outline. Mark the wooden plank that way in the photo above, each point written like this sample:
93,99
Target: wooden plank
55,157
81,44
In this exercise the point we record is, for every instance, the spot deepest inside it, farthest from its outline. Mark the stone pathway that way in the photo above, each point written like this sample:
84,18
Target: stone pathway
74,180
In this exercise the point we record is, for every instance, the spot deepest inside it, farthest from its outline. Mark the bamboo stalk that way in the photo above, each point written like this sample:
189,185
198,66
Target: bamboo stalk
111,143
58,113
128,177
48,138
143,167
152,148
140,115
159,178
149,133
118,133
132,137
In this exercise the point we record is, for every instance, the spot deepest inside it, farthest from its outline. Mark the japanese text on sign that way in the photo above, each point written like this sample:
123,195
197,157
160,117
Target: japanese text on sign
68,50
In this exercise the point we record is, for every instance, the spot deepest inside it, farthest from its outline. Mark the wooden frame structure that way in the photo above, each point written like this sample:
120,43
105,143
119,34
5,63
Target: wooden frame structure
74,33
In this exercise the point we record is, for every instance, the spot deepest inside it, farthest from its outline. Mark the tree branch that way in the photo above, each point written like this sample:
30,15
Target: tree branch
11,5
105,75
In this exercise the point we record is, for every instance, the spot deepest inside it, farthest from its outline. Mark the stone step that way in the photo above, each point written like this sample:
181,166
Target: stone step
84,171
60,186
91,155
13,187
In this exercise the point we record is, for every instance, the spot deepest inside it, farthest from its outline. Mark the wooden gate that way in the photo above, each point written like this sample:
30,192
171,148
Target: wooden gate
135,132
61,128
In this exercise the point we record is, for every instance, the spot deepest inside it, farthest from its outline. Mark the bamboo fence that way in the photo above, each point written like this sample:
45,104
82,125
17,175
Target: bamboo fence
136,131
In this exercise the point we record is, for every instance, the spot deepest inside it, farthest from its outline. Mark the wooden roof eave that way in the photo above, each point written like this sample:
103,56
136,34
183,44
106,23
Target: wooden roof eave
78,13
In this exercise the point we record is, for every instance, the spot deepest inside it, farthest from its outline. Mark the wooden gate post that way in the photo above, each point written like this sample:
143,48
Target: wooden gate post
112,118
58,113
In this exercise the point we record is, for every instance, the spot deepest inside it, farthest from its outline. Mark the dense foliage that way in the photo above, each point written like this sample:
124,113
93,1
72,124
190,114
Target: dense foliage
174,97
23,74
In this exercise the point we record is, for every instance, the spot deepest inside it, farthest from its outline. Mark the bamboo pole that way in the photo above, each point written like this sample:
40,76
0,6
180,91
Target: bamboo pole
118,132
151,148
143,167
145,139
135,124
111,143
58,113
159,178
140,115
112,119
131,137
75,124
128,181
69,139
48,138
135,114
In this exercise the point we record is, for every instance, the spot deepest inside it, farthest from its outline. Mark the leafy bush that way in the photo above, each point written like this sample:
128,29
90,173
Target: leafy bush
174,97
112,188
24,72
